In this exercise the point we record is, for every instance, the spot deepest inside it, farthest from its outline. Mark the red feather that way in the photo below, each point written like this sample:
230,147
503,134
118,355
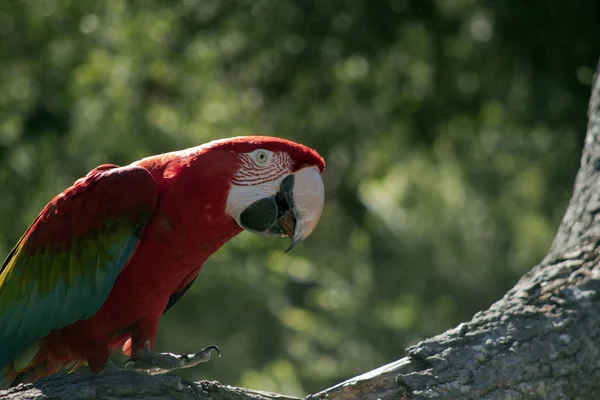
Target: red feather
188,225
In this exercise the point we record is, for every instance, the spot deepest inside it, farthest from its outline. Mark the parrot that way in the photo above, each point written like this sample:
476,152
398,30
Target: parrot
107,257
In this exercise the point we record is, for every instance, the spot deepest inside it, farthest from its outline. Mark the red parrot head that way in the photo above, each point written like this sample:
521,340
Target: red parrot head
276,187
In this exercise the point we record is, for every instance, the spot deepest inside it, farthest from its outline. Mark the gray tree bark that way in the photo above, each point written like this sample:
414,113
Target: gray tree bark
540,341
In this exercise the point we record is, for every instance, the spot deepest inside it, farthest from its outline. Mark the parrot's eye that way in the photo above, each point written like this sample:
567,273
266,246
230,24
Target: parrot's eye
262,157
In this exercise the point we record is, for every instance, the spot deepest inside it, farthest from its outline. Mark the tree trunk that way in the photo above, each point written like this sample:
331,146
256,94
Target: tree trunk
538,342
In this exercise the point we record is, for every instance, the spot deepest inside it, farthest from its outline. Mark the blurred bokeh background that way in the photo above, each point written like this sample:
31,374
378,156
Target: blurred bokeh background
452,131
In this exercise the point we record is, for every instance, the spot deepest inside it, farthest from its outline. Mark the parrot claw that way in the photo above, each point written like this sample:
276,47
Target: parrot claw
159,363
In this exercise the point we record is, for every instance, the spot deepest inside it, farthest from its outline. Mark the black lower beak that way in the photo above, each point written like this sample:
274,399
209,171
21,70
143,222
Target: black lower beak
272,215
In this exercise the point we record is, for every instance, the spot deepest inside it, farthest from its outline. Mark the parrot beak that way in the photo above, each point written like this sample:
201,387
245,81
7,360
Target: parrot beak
306,205
293,210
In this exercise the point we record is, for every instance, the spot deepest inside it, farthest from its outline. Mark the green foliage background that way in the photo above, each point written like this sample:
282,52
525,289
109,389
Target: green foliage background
452,131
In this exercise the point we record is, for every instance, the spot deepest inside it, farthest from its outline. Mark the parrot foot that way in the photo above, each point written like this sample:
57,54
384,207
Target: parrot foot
159,363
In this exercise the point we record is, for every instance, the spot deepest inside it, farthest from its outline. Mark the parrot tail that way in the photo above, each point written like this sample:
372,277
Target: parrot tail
31,365
7,377
10,378
22,362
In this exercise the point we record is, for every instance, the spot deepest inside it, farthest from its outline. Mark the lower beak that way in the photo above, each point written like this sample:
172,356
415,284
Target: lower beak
305,200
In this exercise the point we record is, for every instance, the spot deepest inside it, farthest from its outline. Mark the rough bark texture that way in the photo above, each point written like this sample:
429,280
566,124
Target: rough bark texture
130,385
540,341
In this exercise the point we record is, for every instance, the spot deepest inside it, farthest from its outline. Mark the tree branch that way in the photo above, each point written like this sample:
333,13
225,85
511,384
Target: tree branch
538,342
130,385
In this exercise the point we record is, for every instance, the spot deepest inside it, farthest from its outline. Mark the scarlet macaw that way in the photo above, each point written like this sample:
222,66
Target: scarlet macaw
108,256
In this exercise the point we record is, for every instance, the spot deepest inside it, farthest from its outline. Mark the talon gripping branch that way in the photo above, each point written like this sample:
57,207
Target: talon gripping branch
108,256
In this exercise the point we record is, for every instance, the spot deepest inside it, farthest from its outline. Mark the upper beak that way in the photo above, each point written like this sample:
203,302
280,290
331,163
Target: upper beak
305,199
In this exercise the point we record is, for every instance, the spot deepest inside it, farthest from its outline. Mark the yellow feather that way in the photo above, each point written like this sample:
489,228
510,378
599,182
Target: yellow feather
29,271
9,263
44,282
58,265
75,265
88,262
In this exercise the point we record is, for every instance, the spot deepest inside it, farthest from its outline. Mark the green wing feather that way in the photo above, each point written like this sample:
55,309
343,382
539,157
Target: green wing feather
64,267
